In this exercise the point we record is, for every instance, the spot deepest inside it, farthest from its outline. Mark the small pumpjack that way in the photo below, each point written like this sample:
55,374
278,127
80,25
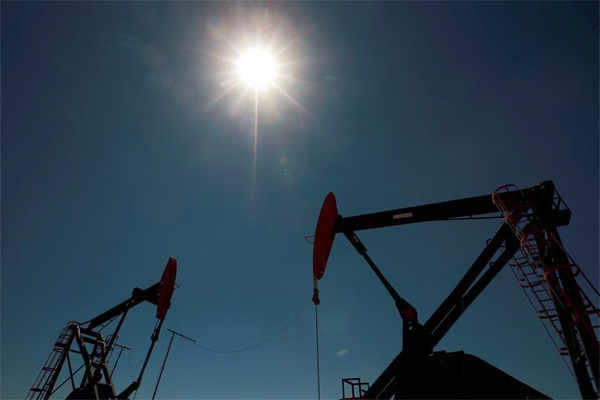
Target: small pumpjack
419,372
97,378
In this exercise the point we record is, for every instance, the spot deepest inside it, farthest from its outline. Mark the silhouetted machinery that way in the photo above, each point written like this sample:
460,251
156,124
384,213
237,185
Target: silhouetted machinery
528,241
87,340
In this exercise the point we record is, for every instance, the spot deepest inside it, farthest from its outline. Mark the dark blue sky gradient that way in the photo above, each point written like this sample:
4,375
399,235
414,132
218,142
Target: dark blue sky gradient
113,159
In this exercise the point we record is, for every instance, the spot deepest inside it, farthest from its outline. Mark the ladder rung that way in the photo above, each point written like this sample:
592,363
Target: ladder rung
48,369
563,351
528,280
525,285
540,291
36,390
585,312
546,311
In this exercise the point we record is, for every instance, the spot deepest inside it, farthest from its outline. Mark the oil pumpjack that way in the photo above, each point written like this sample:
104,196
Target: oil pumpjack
528,241
87,340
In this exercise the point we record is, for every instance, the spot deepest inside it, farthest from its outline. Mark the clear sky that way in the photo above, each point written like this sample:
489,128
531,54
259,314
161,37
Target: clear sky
115,156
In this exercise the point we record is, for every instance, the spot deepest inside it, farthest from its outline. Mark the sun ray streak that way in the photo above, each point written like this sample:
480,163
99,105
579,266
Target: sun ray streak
244,93
286,46
255,158
297,80
290,98
239,101
291,63
225,92
232,46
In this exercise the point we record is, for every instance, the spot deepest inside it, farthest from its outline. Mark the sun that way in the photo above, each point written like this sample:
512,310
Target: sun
263,68
257,69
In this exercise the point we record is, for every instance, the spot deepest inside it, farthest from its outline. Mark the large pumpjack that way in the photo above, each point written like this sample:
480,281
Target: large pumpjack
528,241
87,340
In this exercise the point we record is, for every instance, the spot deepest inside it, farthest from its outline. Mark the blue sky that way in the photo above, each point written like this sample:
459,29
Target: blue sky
114,158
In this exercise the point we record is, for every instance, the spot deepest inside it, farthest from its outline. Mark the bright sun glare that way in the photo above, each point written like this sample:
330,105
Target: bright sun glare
263,66
257,69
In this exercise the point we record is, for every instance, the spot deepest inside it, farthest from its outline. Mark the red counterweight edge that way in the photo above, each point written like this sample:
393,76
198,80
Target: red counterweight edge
167,286
324,235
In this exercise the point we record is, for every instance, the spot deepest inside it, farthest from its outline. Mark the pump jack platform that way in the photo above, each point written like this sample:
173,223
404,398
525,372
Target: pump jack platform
97,376
529,242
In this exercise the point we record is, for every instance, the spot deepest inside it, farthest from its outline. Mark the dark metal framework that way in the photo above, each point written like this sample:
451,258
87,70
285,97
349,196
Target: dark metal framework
87,340
162,368
528,237
356,387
